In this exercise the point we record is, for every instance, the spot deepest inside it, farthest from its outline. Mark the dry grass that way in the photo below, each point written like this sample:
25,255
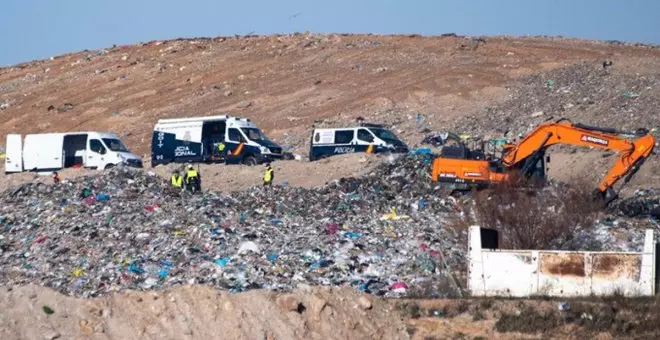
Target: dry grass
529,216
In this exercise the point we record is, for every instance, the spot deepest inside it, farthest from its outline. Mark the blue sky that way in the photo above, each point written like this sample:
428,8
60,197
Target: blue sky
38,29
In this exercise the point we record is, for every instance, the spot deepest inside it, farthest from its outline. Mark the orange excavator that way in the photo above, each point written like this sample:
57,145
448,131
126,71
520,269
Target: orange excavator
463,169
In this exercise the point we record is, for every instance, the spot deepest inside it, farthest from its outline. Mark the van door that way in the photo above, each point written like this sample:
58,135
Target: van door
14,154
96,152
213,134
235,144
365,139
344,141
43,152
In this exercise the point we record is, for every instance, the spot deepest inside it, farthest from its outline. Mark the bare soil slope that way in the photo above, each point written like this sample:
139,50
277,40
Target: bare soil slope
286,83
195,312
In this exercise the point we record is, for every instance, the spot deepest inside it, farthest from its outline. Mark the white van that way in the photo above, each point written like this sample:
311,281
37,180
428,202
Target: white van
54,151
198,139
369,138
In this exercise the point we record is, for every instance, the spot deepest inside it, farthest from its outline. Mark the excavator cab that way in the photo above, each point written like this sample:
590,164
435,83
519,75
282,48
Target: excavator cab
461,151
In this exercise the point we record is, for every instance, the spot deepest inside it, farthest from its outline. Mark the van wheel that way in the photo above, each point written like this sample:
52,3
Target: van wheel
250,161
109,166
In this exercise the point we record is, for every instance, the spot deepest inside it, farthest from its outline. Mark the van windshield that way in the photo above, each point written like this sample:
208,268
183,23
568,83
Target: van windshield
385,135
254,134
115,145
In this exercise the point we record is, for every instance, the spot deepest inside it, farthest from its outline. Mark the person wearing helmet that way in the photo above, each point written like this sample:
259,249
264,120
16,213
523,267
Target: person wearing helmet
176,180
192,179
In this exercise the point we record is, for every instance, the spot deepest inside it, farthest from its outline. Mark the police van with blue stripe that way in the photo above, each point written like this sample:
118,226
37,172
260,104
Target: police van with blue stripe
369,138
212,139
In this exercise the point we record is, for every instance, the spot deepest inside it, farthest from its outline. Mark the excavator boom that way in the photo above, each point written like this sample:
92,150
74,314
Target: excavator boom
527,155
632,153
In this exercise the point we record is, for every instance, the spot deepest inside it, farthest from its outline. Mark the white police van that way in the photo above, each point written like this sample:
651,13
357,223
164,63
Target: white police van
369,138
200,139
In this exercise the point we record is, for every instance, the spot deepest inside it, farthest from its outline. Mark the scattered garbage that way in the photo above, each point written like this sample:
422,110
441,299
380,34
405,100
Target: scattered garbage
47,310
64,108
630,95
550,84
126,229
438,140
4,105
385,234
642,203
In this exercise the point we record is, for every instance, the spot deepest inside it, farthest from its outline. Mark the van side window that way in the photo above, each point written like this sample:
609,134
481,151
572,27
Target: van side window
365,136
96,146
235,136
343,136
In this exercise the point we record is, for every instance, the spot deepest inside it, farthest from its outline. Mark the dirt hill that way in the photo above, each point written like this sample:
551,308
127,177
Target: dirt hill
194,312
285,83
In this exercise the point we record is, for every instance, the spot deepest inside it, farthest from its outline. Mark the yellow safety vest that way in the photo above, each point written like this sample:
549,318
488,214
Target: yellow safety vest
221,147
191,174
177,181
268,176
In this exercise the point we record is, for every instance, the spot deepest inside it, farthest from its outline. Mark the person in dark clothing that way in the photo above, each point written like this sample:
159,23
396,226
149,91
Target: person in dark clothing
56,178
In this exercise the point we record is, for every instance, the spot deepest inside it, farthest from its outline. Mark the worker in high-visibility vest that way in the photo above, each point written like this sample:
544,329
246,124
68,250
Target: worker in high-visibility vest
221,151
192,179
269,175
176,180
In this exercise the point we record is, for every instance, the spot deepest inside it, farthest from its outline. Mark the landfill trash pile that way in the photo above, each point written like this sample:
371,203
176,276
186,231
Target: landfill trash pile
435,140
386,233
584,93
642,203
126,229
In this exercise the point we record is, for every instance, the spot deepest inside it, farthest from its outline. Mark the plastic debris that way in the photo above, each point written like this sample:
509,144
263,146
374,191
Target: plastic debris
550,84
248,246
47,310
399,287
630,95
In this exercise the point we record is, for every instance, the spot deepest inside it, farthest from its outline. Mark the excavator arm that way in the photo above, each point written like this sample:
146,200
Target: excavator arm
525,154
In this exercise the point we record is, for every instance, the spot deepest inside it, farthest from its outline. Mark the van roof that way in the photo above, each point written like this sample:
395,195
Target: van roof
201,119
367,126
231,121
102,134
193,119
